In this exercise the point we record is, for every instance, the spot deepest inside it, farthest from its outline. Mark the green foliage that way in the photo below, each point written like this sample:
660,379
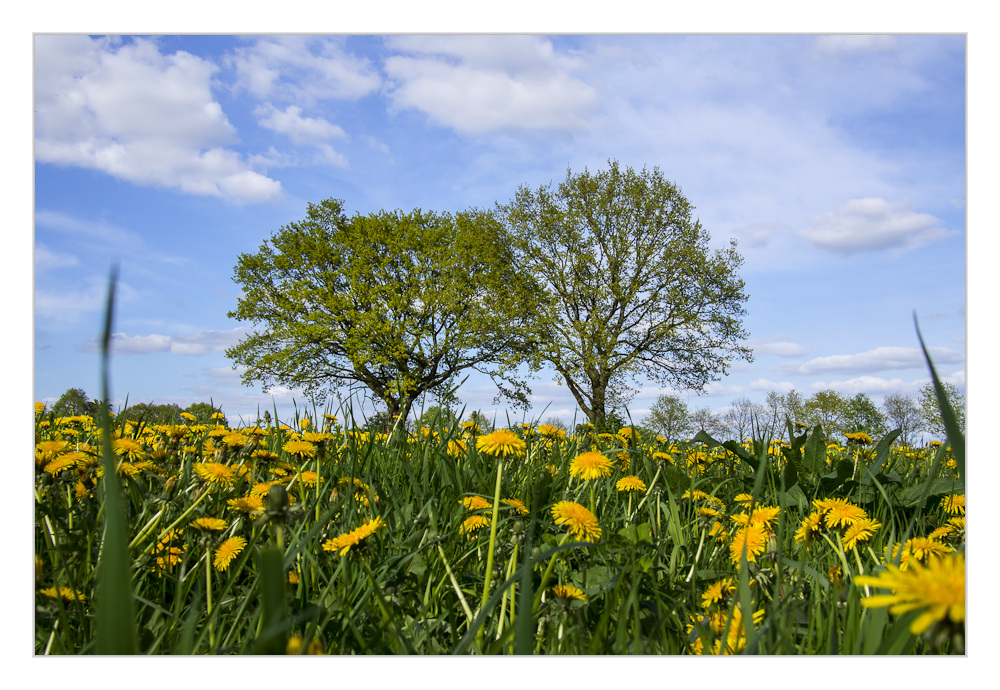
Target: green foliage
930,407
202,412
150,413
829,409
72,403
633,290
863,415
669,417
397,302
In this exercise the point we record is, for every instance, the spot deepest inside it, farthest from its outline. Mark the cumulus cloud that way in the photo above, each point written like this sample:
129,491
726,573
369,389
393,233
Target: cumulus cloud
301,130
302,69
871,225
479,84
879,359
130,111
780,348
193,344
768,386
869,385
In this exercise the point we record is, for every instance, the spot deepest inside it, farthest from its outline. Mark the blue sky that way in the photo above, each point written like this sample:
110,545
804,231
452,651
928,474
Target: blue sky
837,161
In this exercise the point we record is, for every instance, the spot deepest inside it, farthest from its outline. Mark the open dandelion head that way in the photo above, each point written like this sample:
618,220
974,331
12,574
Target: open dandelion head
502,443
630,483
227,551
355,538
937,589
590,465
580,521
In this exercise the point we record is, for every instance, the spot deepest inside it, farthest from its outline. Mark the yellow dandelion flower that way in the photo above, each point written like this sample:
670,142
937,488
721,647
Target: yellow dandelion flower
227,551
590,465
569,593
247,504
473,523
502,443
127,447
938,589
345,542
63,462
954,504
64,593
518,505
215,473
861,530
811,527
920,550
301,448
580,521
630,483
754,538
209,524
844,515
718,592
475,503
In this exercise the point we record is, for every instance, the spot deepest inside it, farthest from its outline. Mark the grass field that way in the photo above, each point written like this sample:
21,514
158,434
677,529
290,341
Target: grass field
320,537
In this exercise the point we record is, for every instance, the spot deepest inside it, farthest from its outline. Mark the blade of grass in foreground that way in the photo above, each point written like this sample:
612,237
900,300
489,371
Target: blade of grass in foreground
116,627
955,436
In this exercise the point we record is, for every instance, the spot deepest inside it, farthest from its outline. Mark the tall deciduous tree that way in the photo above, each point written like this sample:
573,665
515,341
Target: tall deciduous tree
902,412
634,292
827,408
931,412
72,403
863,415
669,417
397,302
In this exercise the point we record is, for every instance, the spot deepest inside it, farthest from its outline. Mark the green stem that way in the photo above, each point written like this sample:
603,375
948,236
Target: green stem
208,595
488,580
545,577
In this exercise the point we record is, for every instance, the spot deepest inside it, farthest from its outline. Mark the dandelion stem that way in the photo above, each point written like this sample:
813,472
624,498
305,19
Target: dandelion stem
488,578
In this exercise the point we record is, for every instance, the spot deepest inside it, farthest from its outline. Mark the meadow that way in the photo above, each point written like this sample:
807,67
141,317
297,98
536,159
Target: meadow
317,536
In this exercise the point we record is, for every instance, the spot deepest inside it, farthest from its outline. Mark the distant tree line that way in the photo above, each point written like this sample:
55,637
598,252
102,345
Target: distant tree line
838,414
75,402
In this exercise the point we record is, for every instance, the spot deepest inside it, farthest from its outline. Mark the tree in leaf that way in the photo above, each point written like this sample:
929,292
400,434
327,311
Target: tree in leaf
150,413
397,302
668,417
633,291
902,413
202,412
863,415
827,408
72,403
930,410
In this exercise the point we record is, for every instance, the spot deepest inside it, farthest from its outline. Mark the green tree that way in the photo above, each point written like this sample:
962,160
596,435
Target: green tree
930,411
863,415
151,413
397,302
669,417
902,413
202,412
827,408
633,291
72,403
437,417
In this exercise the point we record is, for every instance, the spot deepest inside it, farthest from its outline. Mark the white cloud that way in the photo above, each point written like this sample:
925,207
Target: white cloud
879,359
853,44
301,130
768,386
192,344
302,69
46,259
869,385
141,116
479,84
872,224
61,308
778,349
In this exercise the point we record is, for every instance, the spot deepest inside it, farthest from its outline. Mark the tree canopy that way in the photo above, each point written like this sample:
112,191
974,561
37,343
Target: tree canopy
633,292
395,302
